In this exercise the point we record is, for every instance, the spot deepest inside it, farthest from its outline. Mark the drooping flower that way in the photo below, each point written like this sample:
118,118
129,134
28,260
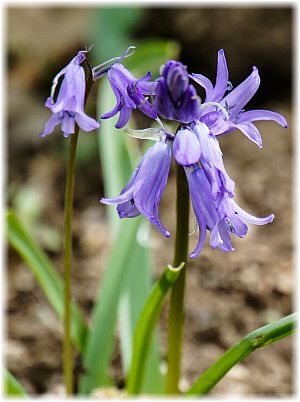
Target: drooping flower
221,217
175,98
68,108
236,117
143,192
130,94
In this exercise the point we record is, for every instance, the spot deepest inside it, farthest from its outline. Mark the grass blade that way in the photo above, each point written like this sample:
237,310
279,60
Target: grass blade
100,341
259,338
12,387
45,273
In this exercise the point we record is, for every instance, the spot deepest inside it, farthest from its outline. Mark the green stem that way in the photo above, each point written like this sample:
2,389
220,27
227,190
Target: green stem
259,338
176,314
68,214
68,358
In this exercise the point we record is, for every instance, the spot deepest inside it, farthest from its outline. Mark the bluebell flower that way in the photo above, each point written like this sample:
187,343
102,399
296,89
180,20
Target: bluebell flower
221,217
130,94
143,192
176,99
68,108
235,117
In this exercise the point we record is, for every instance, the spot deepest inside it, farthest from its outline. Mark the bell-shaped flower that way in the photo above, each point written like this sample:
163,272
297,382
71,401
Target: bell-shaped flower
143,192
195,143
175,98
221,217
235,117
130,94
233,220
68,108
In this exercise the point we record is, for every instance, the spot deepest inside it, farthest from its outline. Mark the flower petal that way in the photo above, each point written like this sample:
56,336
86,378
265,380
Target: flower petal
151,181
186,147
254,115
205,83
250,132
68,124
86,123
202,236
52,122
189,107
124,116
240,96
245,216
222,78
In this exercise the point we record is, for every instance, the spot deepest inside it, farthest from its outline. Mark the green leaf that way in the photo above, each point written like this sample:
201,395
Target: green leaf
146,325
45,273
12,387
259,338
135,292
113,26
100,341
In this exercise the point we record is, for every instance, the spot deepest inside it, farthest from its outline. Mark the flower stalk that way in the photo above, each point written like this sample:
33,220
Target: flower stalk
68,355
68,215
176,313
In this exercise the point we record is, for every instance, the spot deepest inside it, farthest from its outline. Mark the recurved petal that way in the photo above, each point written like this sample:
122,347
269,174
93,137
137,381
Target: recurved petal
240,96
250,132
222,78
205,83
202,236
151,181
123,197
186,147
52,122
125,114
246,217
86,123
254,115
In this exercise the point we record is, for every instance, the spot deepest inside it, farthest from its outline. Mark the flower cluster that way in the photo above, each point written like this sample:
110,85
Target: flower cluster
195,145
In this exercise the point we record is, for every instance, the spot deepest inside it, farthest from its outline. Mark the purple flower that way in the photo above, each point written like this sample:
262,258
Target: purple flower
68,108
222,217
143,192
130,94
196,144
175,98
229,113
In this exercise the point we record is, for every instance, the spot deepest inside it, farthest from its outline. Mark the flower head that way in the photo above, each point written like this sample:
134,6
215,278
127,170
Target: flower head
195,146
68,108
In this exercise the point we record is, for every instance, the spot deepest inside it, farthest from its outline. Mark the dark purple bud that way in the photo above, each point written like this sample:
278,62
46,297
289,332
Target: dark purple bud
175,98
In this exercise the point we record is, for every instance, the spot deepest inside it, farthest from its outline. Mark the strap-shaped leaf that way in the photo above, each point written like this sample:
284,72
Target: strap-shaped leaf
259,338
45,273
12,387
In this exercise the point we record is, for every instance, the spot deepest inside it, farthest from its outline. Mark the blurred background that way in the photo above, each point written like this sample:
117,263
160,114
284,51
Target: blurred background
228,295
